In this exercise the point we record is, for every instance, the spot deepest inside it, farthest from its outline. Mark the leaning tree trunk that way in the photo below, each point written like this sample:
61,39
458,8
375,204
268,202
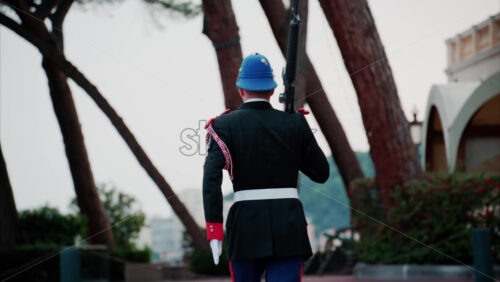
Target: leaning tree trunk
87,196
8,211
391,147
178,207
86,192
316,98
34,30
220,27
35,34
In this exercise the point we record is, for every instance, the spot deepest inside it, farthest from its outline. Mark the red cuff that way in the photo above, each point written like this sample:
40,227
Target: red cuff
214,231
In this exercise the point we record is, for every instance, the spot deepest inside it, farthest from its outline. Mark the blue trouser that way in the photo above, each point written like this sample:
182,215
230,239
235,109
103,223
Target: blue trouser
276,269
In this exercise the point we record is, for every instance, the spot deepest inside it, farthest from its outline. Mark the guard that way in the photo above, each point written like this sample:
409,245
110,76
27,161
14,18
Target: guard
263,150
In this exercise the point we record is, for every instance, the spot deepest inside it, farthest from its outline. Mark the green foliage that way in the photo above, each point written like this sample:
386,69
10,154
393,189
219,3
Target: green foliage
327,204
126,219
185,8
124,215
202,262
129,254
132,254
46,225
85,3
12,260
44,230
439,212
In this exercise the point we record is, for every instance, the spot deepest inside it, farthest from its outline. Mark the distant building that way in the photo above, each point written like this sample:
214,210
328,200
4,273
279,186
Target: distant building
166,239
167,233
461,129
192,198
144,237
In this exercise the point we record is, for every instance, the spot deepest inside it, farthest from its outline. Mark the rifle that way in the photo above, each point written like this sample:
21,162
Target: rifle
291,60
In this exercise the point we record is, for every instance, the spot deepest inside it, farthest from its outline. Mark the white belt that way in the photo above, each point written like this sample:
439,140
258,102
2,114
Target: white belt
265,194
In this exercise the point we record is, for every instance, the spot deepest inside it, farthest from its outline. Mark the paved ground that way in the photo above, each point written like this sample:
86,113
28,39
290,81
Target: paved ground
326,278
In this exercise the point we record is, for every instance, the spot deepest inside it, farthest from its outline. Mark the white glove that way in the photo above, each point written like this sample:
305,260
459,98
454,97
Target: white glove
216,246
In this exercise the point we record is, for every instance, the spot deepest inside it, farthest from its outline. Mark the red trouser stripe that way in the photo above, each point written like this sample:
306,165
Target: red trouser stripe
301,267
231,270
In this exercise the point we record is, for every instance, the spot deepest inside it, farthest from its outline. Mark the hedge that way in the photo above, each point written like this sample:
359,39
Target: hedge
439,211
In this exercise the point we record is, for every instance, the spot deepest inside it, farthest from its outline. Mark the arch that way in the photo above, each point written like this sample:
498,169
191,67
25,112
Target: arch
435,151
434,101
447,99
481,95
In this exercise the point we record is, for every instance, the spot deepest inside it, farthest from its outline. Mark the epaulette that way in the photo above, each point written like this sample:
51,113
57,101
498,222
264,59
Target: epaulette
209,123
303,111
211,134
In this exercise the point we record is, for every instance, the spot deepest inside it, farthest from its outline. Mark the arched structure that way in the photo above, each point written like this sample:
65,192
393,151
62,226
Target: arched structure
478,105
435,152
454,106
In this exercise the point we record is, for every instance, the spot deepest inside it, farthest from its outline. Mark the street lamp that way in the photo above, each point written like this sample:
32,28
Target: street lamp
416,128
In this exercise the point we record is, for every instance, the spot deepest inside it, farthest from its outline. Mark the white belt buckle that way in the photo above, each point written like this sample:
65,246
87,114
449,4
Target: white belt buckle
266,194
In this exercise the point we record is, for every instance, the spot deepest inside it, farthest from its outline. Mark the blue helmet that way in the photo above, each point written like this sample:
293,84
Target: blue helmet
256,74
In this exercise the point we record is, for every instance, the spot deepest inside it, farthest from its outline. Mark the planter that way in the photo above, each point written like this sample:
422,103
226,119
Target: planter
416,272
481,247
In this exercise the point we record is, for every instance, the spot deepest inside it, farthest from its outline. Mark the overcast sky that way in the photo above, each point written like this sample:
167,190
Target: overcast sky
163,80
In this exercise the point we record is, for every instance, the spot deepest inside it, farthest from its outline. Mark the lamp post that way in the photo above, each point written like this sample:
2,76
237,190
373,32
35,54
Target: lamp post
416,128
416,131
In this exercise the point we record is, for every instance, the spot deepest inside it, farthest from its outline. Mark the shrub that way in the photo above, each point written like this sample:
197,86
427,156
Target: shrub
439,211
202,262
132,254
124,215
46,225
13,263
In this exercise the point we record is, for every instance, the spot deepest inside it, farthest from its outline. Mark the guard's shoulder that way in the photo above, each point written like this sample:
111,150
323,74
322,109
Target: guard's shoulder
218,118
300,117
302,111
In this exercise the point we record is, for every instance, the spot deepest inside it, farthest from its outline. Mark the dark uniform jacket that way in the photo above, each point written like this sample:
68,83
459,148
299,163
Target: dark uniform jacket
268,147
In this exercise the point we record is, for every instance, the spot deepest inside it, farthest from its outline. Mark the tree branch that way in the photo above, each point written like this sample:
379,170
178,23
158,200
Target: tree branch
21,30
46,8
14,26
59,15
27,18
58,59
57,19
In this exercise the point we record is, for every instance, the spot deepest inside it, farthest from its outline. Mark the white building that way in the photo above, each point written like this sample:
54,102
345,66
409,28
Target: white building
461,129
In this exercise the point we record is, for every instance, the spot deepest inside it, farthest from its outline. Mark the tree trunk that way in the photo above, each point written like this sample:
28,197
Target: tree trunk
221,28
53,57
8,211
316,98
391,147
99,229
178,207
